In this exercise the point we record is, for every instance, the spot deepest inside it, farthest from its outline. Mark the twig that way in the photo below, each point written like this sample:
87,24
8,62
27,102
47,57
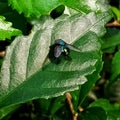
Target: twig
113,24
69,100
2,53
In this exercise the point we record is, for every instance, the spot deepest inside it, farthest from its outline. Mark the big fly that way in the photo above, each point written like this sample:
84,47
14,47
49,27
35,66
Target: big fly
60,49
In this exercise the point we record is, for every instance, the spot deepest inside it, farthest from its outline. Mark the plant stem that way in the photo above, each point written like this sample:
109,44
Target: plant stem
69,100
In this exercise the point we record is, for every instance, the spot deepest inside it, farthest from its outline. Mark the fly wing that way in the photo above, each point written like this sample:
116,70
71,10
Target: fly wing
71,47
57,51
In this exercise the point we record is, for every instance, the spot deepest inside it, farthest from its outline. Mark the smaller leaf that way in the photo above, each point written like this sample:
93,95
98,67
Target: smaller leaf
103,103
93,113
110,39
113,112
18,20
6,31
116,11
114,115
115,66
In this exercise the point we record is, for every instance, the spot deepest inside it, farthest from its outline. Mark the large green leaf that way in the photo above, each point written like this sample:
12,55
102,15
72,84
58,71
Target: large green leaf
6,31
26,74
40,7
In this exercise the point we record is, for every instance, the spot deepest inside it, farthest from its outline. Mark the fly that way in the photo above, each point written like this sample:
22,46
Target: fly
60,49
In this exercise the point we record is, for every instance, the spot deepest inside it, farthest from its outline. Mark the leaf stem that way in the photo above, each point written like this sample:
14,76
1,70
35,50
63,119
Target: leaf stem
113,24
69,100
2,53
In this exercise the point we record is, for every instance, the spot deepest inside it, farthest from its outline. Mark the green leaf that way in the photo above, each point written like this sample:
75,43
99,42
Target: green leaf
113,112
92,79
115,65
34,8
18,20
39,7
7,110
87,6
6,31
93,113
103,103
110,39
27,75
113,115
116,11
